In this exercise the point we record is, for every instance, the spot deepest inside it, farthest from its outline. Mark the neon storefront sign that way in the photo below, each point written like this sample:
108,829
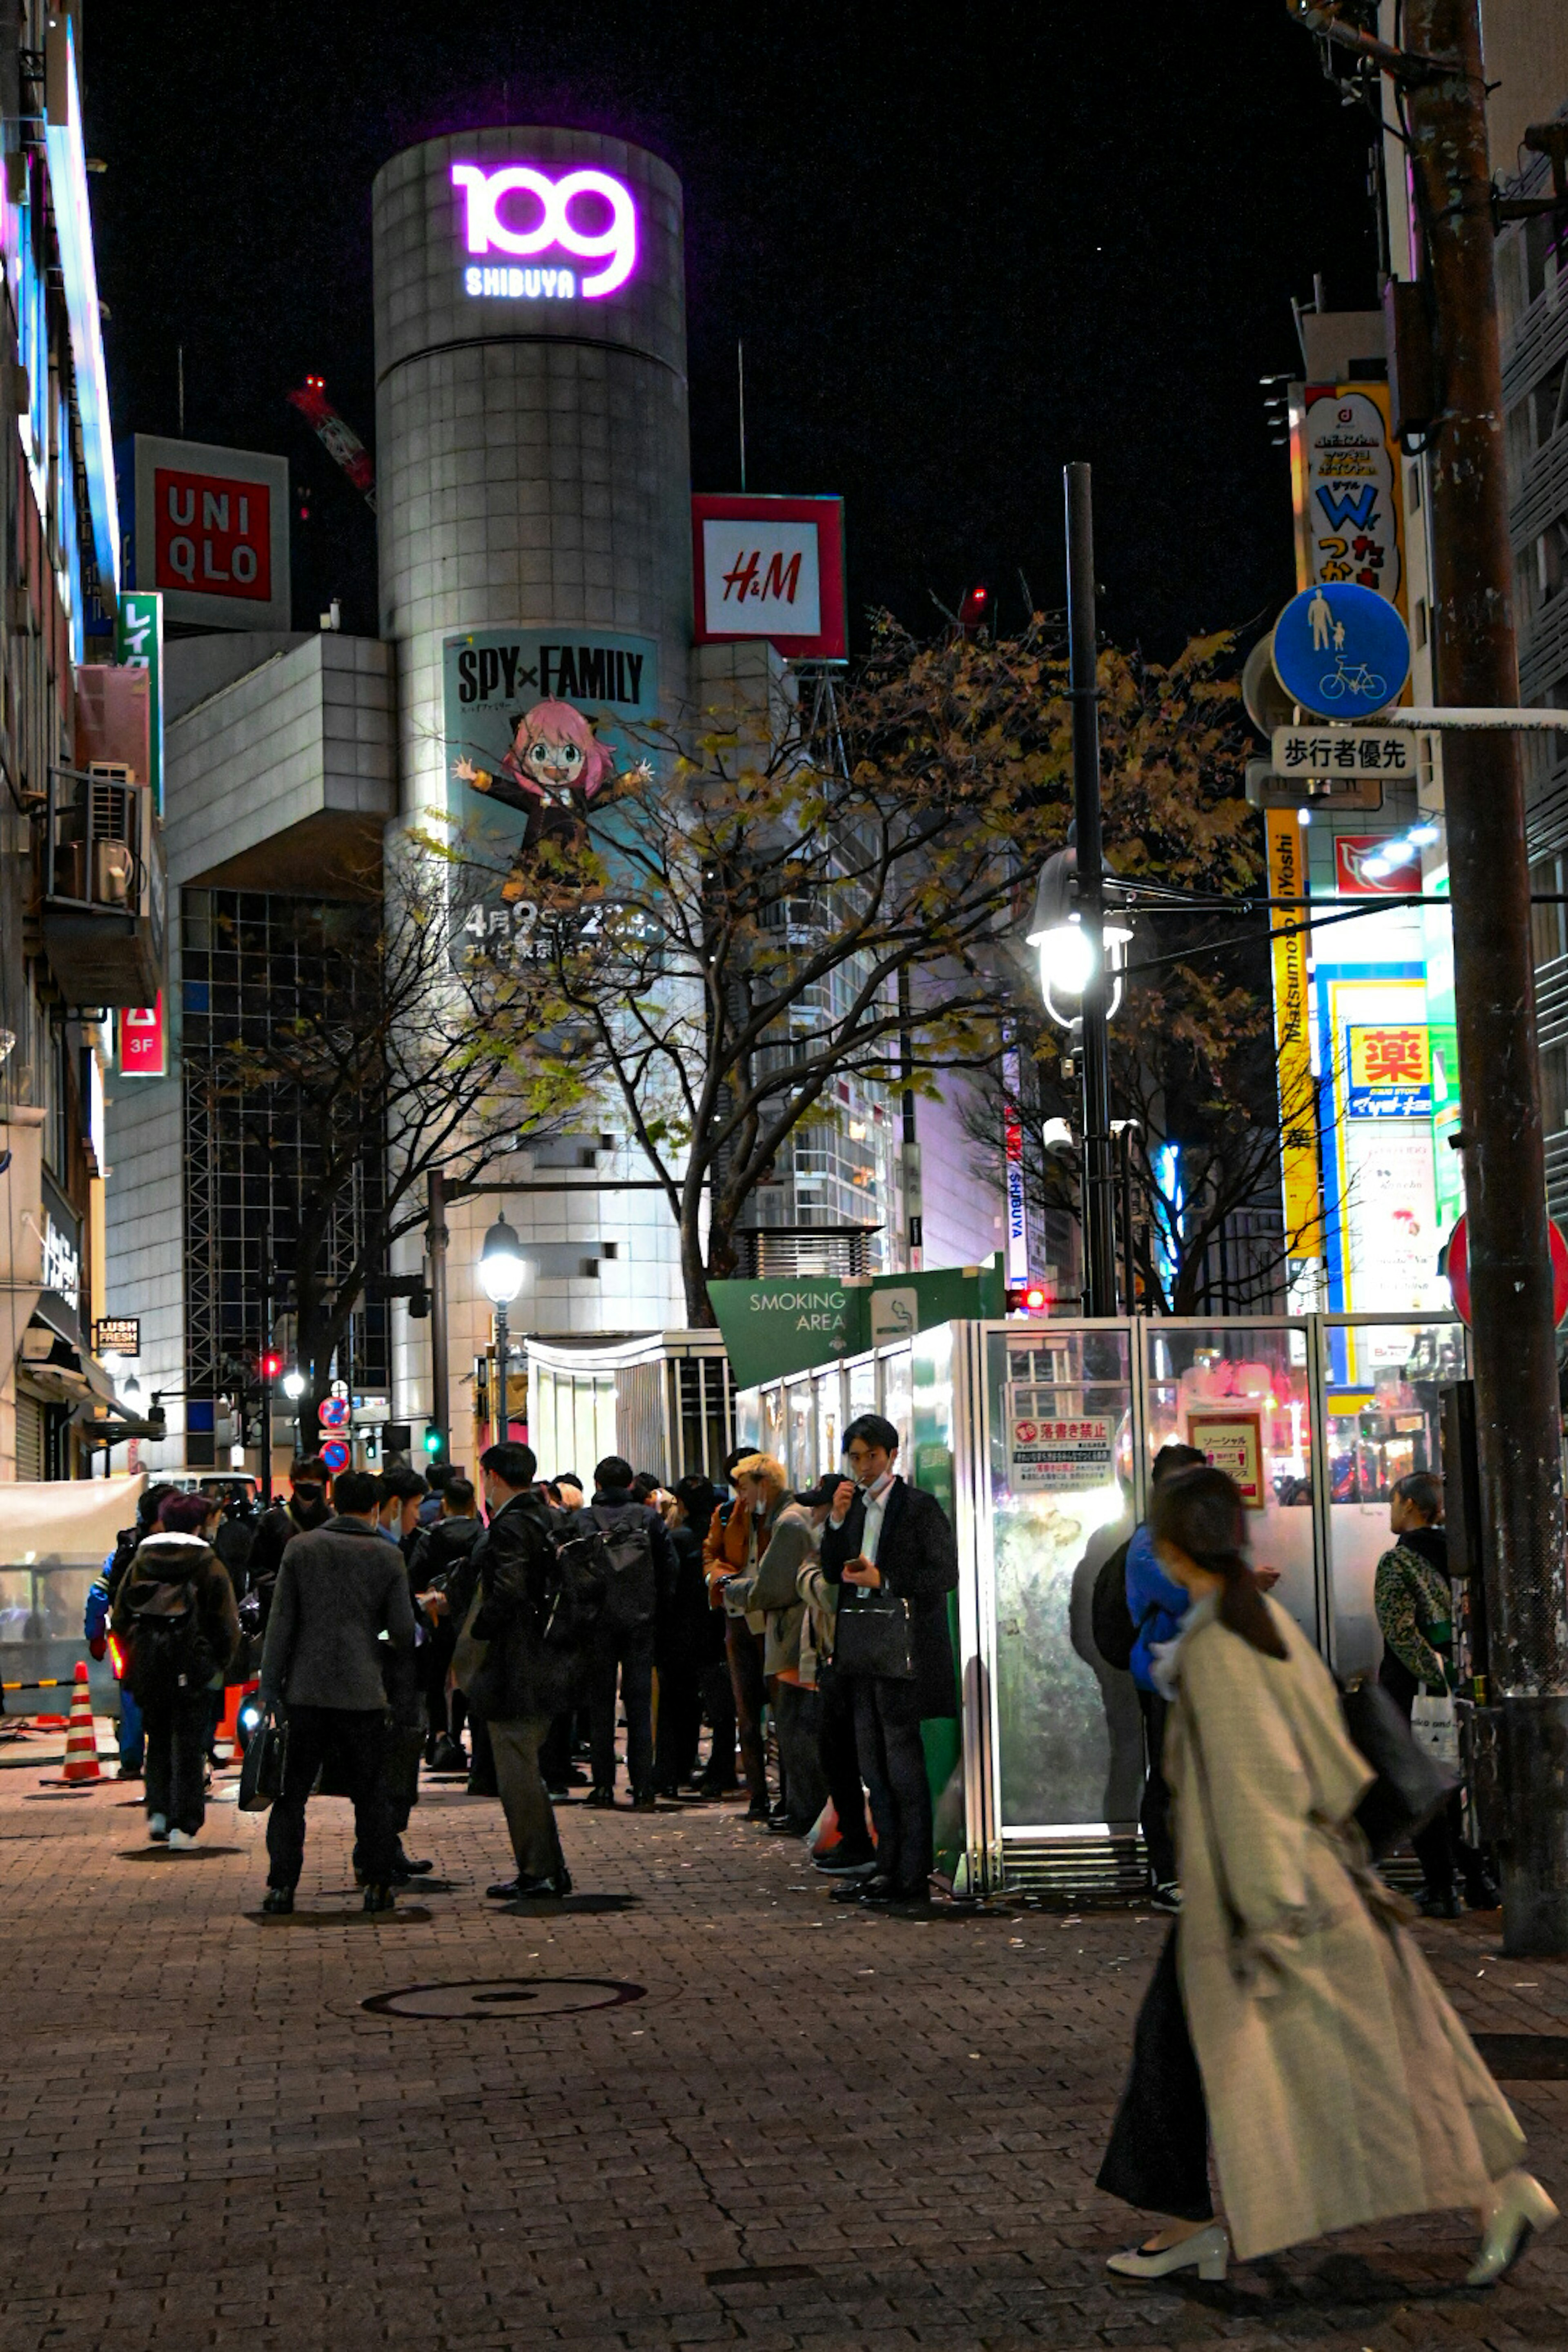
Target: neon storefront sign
517,213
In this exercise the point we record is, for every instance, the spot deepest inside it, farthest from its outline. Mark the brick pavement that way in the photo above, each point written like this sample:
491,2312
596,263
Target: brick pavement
817,2129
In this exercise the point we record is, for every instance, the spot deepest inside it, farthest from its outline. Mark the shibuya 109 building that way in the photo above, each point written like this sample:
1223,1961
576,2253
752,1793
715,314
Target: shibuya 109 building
534,518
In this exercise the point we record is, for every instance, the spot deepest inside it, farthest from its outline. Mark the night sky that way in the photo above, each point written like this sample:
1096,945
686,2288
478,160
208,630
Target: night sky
962,247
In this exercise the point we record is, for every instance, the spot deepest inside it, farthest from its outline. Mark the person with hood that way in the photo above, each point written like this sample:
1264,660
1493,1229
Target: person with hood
101,1597
622,1653
175,1612
1292,2019
307,1507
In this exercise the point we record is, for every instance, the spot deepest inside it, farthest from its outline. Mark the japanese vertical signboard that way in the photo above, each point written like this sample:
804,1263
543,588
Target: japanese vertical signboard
1345,485
138,644
1293,1042
143,1041
1017,1253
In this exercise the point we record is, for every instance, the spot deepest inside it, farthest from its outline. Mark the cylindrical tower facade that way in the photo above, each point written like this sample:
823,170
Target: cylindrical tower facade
533,489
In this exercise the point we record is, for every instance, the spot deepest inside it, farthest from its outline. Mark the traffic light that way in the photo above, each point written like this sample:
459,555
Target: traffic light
434,1443
271,1364
1028,1298
972,609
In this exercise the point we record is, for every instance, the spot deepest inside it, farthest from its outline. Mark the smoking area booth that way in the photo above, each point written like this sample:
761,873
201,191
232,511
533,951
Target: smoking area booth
1038,1438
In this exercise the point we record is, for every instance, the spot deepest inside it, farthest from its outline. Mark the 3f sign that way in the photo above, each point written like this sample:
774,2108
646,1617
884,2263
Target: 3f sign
497,206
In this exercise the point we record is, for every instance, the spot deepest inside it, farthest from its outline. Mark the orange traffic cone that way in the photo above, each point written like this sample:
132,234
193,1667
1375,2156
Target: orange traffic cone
82,1738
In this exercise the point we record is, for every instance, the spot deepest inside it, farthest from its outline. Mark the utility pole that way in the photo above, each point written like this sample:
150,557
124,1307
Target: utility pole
435,1240
1083,691
1518,1419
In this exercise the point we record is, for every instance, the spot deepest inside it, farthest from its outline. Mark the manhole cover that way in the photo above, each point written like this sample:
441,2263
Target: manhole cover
504,1997
1525,2057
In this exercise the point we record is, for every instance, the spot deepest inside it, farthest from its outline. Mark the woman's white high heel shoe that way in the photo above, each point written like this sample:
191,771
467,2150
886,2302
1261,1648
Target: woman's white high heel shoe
1206,2251
1523,2211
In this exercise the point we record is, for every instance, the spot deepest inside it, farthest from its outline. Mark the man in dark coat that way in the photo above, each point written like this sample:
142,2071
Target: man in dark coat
438,1550
521,1685
307,1507
885,1535
338,1589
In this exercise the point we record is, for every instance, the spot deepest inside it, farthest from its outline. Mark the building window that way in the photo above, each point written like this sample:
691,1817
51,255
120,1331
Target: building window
1546,922
1555,1089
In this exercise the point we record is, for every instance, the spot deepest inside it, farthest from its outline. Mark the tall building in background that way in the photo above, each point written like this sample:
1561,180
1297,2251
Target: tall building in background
81,905
534,508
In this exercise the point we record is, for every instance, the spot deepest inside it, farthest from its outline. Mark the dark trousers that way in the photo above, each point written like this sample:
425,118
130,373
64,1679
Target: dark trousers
626,1659
690,1686
525,1800
893,1763
797,1711
841,1764
717,1693
354,1741
1154,1813
176,1729
432,1660
1158,2156
1440,1847
744,1651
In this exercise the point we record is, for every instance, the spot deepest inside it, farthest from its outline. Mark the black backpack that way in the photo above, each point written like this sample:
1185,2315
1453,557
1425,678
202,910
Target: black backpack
611,1545
169,1650
1110,1620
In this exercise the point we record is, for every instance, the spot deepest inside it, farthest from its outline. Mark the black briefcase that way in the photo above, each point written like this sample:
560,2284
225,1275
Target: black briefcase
872,1636
261,1774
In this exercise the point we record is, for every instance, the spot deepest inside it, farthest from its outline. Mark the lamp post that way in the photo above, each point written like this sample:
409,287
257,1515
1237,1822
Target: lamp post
1081,963
500,1271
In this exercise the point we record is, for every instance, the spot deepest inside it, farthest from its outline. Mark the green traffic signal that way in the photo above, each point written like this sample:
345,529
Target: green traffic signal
434,1441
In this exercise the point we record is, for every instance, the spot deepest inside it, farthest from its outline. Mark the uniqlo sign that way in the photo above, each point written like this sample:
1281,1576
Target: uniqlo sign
212,533
770,568
143,1041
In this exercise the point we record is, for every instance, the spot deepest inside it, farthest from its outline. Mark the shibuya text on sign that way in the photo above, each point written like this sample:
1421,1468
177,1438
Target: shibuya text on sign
520,213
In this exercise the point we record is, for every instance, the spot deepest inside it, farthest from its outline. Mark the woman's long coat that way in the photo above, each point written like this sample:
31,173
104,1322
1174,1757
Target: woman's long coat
1340,2088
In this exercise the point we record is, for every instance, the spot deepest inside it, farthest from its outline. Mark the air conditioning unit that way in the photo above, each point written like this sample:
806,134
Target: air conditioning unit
113,873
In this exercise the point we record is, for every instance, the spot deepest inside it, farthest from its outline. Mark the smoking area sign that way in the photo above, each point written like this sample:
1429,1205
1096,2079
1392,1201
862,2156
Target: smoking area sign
1050,1454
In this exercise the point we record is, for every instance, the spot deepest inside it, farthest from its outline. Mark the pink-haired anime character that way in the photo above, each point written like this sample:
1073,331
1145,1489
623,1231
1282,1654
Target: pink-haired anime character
556,763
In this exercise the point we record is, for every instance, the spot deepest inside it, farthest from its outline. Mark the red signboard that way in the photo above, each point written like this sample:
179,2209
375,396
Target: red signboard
212,535
1459,1269
770,568
1395,866
143,1041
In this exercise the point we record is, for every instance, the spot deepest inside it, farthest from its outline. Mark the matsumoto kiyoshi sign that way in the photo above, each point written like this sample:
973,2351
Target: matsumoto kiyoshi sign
540,730
527,233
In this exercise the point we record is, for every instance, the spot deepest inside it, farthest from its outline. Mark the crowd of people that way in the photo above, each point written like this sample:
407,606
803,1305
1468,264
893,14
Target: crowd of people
387,1620
1292,2030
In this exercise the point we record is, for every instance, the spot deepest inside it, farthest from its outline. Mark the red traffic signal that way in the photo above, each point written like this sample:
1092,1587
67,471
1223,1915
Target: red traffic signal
271,1364
1028,1298
972,610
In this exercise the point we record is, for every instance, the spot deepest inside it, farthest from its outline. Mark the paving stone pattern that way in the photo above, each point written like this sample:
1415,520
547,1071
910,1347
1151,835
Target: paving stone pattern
817,2128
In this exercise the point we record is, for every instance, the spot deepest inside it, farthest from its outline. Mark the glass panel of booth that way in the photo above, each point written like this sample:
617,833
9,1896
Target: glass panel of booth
898,1397
1242,1394
830,1423
1069,1737
1383,1394
800,1433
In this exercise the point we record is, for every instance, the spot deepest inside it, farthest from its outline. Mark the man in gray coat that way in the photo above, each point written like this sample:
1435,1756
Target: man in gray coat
338,1589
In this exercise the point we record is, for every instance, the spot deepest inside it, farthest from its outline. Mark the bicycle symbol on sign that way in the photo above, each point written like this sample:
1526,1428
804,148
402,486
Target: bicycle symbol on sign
1354,678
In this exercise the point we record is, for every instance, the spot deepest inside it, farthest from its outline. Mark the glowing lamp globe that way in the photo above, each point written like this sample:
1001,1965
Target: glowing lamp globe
501,1265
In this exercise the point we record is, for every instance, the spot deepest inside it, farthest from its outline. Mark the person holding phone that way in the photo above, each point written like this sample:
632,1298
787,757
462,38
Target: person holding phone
885,1536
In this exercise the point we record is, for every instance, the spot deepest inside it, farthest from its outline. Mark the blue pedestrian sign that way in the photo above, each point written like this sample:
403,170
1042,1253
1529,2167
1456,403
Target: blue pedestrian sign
1341,650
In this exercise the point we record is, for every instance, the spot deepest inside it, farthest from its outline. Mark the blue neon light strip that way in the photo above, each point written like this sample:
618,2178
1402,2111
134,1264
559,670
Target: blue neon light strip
73,228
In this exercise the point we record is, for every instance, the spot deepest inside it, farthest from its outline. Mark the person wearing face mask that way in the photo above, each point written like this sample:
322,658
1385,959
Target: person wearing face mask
886,1536
306,1508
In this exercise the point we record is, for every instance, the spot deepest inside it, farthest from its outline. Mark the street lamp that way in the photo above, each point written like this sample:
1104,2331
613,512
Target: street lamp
502,1267
1065,950
294,1385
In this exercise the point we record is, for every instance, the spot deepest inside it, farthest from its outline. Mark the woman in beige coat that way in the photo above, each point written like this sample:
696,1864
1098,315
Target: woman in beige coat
1338,2085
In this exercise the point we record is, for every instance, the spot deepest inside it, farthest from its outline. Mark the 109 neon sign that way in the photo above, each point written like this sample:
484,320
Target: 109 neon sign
518,212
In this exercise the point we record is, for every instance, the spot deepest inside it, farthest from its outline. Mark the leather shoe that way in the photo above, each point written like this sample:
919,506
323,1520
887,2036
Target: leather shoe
505,1890
603,1799
404,1866
883,1890
647,1803
851,1890
278,1899
532,1890
380,1898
